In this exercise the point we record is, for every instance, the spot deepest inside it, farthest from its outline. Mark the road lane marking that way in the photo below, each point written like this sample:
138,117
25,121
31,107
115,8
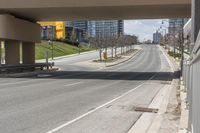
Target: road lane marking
99,107
38,79
73,84
18,82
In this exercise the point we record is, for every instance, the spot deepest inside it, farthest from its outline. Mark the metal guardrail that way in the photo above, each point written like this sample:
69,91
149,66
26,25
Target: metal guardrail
191,82
24,67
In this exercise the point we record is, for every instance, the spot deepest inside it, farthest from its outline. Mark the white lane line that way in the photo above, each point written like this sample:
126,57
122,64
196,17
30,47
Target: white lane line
73,84
37,79
18,82
94,110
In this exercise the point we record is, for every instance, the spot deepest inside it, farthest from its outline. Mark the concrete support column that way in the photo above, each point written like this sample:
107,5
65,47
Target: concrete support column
12,52
195,19
28,53
0,53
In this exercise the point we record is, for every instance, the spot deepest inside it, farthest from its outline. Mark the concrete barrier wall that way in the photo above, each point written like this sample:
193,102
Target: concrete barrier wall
191,79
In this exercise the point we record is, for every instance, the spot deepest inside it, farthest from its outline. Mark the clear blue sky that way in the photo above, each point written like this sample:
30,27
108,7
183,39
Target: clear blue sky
144,29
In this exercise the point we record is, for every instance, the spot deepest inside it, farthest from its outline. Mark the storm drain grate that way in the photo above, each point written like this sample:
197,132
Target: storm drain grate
148,110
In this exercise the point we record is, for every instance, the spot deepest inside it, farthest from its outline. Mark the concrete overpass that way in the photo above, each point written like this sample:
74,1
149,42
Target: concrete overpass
18,17
96,9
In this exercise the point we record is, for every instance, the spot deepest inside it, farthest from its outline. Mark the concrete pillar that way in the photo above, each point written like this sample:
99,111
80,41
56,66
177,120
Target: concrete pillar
28,53
0,52
195,19
12,52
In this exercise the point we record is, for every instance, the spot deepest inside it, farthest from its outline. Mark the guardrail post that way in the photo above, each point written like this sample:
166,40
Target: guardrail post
47,59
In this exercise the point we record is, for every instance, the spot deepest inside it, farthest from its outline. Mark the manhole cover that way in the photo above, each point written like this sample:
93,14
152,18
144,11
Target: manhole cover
143,109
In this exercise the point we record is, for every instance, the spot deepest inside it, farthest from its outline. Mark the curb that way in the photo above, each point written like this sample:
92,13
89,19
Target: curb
150,122
134,54
183,127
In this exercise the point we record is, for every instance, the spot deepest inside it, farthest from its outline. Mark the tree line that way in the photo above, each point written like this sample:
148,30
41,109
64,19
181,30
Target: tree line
104,42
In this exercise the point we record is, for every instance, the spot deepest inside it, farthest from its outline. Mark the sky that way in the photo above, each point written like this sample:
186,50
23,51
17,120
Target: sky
144,29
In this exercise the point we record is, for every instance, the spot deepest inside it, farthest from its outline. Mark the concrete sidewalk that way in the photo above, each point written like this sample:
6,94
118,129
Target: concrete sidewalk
167,118
183,128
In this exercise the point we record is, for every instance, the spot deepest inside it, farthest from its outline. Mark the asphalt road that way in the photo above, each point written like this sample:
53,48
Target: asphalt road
75,99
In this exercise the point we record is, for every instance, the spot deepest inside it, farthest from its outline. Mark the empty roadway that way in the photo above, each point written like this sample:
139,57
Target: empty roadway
38,105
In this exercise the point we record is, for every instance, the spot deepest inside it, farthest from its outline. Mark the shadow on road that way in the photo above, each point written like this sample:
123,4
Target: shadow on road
165,76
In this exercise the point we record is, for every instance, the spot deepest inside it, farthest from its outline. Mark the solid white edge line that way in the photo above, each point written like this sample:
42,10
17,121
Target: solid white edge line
99,107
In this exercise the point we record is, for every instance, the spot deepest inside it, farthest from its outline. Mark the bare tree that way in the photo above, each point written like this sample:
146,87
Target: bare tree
104,41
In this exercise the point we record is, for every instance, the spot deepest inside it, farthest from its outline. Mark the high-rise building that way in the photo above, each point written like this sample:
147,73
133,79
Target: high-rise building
120,27
80,25
157,37
80,28
105,27
94,28
91,28
176,25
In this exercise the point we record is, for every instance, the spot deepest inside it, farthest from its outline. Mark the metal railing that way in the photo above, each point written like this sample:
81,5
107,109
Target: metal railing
191,82
24,67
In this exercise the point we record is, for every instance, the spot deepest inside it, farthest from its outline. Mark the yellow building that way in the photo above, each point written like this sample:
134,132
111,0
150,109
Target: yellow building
59,25
1,44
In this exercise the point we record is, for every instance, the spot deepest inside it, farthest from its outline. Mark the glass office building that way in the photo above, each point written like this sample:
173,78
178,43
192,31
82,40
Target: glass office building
106,27
175,25
100,27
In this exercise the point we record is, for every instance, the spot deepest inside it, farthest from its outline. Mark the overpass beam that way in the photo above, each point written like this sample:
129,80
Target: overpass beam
12,28
12,52
28,53
15,30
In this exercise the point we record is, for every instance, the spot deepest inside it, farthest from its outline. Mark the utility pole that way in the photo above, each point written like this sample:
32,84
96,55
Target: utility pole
182,46
52,51
174,37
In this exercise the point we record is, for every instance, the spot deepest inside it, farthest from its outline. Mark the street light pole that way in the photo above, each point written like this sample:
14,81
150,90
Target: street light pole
52,50
174,28
165,33
166,36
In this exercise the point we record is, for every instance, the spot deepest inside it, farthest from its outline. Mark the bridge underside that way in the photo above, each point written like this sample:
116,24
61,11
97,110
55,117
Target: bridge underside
96,13
37,10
